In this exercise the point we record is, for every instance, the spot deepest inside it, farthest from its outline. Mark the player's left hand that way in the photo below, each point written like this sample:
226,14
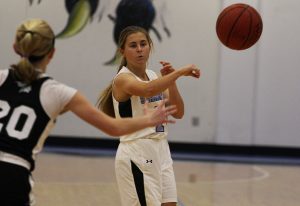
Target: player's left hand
166,69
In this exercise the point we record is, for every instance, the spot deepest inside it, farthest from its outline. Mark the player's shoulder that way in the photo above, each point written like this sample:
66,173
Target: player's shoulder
3,75
150,71
124,73
4,72
53,89
151,74
50,82
124,69
54,85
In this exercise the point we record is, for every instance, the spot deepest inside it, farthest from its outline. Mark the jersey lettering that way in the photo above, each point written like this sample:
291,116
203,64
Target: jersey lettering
4,109
18,114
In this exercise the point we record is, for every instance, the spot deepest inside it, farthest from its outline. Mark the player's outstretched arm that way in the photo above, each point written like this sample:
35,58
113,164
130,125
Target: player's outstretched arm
80,106
129,85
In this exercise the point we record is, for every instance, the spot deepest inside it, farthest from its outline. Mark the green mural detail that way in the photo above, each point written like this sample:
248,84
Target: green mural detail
128,12
78,18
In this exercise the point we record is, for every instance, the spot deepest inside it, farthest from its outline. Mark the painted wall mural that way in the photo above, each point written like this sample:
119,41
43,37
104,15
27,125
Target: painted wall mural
127,12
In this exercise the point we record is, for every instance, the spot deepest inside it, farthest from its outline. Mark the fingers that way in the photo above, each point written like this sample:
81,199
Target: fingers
164,63
191,70
166,69
161,113
163,102
196,73
146,106
171,121
169,110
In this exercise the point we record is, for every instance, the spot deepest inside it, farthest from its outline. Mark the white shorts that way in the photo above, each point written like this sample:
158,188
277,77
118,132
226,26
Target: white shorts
144,172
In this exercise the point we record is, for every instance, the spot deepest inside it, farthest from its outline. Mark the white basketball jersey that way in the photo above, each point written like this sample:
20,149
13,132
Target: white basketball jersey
134,107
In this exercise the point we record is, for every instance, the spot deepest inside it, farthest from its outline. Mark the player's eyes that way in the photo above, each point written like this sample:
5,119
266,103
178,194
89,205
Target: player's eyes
132,45
143,44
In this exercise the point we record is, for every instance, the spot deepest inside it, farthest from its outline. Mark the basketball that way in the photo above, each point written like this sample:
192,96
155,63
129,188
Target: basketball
239,26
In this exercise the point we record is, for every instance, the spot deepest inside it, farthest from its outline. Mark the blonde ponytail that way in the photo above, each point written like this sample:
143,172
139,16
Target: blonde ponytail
105,101
34,40
25,71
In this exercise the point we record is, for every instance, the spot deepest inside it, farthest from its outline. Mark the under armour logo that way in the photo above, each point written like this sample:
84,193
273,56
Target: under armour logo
148,161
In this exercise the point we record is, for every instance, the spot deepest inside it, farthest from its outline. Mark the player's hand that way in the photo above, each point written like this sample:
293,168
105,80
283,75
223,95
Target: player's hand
191,70
160,114
166,68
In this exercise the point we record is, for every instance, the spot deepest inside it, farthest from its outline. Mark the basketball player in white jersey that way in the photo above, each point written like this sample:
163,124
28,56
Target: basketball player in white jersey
30,101
143,162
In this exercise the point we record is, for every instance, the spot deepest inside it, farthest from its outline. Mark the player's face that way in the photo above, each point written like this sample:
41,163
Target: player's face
136,49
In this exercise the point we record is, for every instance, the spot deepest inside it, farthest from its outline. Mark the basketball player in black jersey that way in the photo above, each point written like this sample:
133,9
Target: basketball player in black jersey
30,101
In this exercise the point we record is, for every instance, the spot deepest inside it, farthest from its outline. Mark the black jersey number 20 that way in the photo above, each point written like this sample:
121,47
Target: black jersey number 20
11,124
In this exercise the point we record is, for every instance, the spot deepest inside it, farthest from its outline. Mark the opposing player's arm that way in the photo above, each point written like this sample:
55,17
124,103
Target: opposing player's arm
80,106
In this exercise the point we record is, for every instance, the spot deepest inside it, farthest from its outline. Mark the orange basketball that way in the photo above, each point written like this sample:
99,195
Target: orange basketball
239,26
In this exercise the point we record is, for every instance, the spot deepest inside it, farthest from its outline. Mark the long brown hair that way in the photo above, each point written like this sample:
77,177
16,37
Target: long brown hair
34,40
105,101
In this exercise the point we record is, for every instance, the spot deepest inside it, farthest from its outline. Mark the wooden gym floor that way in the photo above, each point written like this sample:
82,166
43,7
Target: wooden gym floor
88,180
